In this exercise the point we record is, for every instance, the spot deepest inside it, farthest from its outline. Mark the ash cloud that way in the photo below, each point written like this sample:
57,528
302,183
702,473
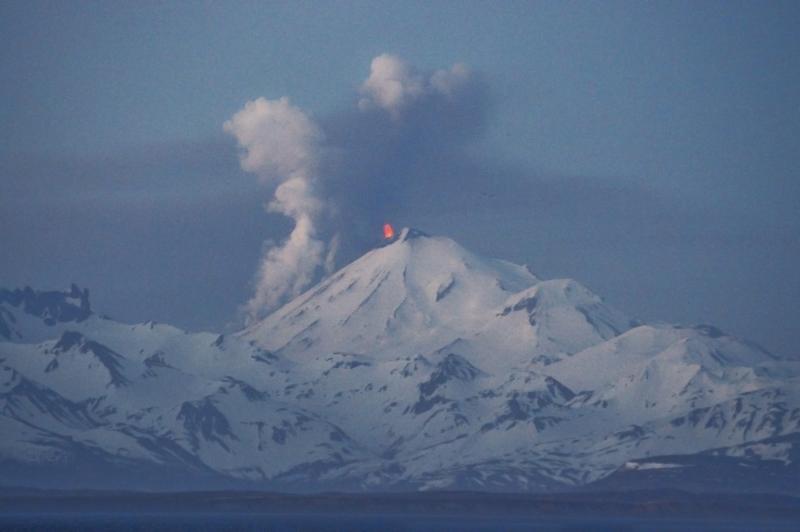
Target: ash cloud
339,179
394,85
399,150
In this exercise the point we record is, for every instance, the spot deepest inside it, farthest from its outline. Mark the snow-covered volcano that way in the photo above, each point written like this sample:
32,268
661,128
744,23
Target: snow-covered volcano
418,366
421,294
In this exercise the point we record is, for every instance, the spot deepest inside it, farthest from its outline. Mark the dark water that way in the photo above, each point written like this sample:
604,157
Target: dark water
356,523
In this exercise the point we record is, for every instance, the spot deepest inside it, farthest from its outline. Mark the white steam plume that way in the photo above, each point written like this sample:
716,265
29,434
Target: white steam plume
282,145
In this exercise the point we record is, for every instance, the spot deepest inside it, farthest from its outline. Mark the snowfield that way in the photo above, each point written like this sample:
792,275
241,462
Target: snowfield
418,366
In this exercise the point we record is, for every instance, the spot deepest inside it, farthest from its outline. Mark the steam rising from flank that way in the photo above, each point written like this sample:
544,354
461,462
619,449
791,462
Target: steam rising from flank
281,145
338,178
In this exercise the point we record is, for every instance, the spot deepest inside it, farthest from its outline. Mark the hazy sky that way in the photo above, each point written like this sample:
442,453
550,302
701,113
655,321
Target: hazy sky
649,150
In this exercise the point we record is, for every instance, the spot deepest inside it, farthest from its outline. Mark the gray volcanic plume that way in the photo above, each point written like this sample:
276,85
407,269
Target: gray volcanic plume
338,179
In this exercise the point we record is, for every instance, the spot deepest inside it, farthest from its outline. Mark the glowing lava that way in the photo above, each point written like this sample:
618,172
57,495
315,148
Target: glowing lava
388,231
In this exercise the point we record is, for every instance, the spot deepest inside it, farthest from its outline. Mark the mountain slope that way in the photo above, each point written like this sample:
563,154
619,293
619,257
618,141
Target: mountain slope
419,366
421,294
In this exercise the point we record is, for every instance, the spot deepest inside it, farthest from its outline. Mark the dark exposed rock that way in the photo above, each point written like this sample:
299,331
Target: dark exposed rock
51,306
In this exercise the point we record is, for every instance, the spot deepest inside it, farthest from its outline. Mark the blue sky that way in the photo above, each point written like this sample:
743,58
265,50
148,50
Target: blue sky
648,149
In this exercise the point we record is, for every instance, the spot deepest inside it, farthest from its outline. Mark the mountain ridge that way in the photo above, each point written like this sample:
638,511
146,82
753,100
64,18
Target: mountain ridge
418,366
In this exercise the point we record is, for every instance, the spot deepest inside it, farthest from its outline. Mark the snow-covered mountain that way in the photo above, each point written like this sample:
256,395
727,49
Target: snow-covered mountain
423,294
418,366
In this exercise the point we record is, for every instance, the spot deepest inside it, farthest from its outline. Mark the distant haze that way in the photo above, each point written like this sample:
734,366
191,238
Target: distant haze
650,150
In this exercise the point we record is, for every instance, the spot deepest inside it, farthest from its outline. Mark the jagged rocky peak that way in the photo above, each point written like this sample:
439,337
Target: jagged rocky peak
75,342
457,367
452,367
51,306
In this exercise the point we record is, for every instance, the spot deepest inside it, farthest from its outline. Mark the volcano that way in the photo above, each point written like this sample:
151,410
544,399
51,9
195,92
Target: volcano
426,293
420,365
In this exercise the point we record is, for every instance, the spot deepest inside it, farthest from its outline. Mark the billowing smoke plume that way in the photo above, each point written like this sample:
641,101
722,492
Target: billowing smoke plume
404,149
281,145
394,85
407,129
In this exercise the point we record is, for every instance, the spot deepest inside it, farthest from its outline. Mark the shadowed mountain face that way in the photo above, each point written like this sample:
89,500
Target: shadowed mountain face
52,307
418,366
